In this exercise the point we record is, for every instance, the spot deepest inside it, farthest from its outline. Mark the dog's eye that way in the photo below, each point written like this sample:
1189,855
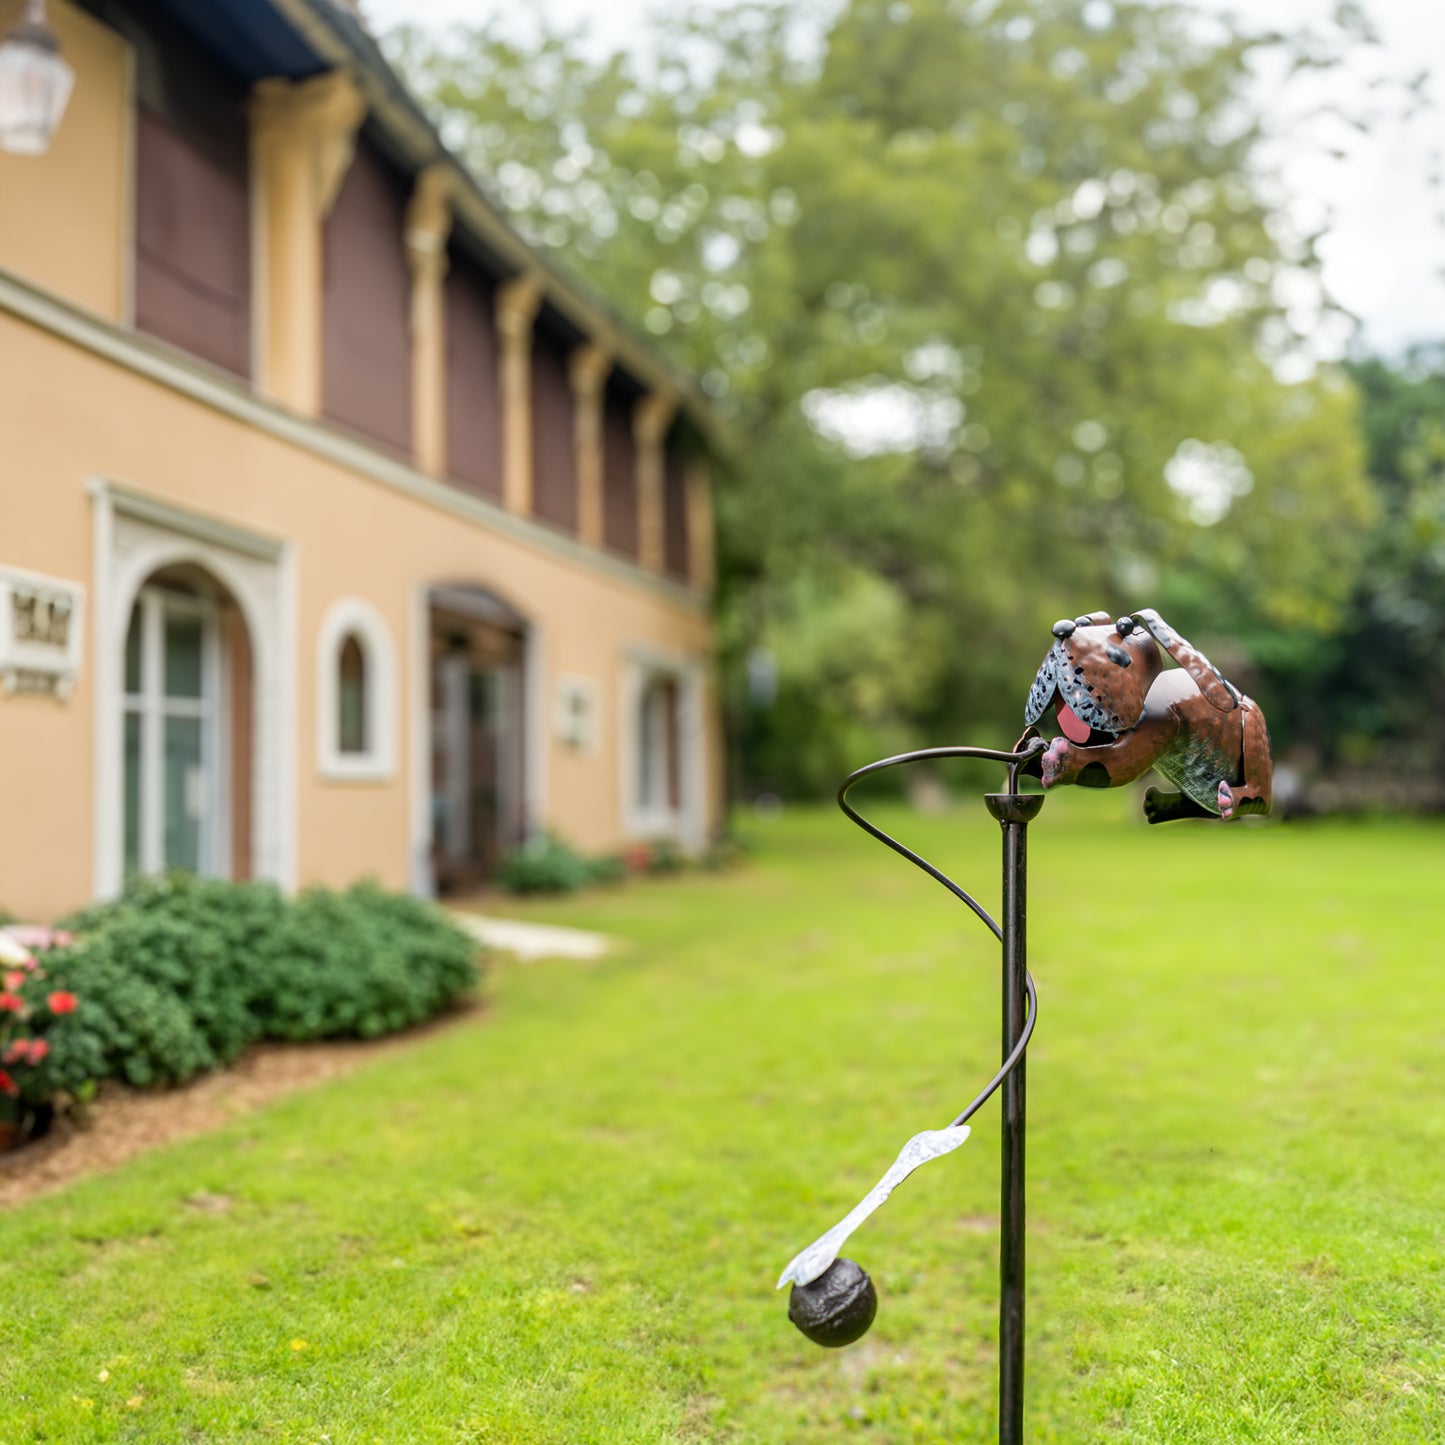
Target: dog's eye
1117,654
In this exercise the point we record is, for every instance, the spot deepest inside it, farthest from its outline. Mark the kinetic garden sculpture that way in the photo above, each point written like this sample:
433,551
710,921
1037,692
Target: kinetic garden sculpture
1119,712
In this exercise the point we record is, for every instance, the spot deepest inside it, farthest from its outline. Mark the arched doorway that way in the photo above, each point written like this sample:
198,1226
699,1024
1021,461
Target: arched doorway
478,680
228,608
187,728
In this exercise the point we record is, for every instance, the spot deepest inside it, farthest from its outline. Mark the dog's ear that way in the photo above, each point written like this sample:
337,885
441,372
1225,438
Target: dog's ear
1045,680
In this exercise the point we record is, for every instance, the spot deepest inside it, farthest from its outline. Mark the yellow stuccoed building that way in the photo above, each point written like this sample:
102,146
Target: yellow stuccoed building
341,535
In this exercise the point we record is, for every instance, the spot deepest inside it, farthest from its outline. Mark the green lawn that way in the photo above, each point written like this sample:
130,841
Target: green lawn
562,1223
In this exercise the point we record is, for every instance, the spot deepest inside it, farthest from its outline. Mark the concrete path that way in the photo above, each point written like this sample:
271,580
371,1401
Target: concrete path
533,941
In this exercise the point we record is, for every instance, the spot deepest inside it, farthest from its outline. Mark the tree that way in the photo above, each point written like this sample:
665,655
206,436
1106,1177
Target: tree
994,302
1373,693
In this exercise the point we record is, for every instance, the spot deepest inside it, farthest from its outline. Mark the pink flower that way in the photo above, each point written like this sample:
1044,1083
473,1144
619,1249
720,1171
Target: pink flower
38,1050
15,979
60,1002
18,1052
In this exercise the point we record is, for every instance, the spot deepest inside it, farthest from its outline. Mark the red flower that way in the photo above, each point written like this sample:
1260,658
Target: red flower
38,1050
11,1003
8,1085
62,1002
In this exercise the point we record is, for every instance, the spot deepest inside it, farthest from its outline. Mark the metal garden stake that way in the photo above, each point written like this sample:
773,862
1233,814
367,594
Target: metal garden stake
1119,712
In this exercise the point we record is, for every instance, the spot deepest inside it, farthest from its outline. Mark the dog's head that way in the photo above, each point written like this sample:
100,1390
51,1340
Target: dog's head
1095,679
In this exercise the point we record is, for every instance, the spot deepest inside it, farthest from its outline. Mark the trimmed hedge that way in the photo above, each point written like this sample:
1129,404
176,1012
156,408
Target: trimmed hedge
180,974
545,864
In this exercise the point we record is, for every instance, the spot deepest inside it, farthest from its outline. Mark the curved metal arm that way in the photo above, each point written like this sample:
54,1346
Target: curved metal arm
811,1262
1015,761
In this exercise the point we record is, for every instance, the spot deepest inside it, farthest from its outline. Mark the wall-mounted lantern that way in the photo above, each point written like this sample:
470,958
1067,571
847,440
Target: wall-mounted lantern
35,84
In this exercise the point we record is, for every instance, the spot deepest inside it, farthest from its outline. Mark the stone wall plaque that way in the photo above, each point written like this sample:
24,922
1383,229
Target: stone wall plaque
41,622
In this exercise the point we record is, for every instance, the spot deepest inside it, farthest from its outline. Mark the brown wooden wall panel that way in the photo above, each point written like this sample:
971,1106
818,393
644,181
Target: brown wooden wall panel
674,512
366,341
619,476
474,413
193,242
554,449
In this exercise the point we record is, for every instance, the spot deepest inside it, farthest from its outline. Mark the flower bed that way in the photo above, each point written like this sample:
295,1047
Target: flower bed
180,974
36,1019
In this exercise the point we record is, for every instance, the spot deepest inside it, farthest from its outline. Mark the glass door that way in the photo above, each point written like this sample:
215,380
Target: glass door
173,792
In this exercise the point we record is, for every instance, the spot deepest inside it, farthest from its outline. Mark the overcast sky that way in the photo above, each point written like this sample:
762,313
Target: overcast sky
1384,256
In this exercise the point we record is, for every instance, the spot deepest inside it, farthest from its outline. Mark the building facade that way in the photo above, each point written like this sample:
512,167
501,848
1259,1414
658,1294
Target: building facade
340,535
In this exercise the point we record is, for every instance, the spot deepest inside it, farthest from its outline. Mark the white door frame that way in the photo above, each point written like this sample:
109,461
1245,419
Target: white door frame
465,597
136,535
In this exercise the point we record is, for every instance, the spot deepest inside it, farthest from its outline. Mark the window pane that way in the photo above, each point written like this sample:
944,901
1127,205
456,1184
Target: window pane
185,793
654,736
183,654
132,791
351,722
132,651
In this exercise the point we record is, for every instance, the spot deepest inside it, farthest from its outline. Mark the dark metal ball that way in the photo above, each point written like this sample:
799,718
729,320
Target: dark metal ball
1124,626
1063,628
837,1307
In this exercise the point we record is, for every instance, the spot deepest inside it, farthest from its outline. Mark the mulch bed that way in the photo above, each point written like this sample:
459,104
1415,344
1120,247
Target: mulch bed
122,1122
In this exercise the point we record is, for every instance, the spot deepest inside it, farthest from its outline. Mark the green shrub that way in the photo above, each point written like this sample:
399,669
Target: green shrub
124,1026
179,974
666,857
545,864
202,940
362,963
607,869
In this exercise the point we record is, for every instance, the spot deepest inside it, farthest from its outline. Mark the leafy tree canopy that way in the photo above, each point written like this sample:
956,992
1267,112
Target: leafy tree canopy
996,301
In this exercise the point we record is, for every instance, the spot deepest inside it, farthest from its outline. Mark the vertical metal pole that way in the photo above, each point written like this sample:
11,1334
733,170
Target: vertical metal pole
1014,812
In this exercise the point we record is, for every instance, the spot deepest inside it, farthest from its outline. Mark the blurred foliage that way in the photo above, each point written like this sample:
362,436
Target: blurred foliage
1003,314
545,864
1374,693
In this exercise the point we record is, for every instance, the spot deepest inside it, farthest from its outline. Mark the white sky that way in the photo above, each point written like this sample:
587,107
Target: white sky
1384,255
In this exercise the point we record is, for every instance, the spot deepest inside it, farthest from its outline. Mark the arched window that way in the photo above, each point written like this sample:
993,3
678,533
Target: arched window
351,719
656,768
356,694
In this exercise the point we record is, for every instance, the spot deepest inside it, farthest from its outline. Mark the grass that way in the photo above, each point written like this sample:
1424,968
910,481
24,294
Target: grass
562,1224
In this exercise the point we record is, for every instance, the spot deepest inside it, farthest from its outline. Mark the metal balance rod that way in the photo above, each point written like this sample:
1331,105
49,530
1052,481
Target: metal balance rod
833,1301
1014,812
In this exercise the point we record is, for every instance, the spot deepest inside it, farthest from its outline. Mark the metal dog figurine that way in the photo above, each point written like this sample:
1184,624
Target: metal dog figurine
1121,713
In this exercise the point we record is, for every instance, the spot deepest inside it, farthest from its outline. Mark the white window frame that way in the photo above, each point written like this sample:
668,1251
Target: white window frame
686,823
355,617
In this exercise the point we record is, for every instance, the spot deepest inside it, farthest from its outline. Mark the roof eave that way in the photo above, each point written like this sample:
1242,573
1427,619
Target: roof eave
345,43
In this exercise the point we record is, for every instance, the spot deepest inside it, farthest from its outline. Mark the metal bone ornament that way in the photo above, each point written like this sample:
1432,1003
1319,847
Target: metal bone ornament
1120,712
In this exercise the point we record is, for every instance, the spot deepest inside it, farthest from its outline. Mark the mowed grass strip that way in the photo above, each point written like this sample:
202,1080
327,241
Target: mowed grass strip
562,1224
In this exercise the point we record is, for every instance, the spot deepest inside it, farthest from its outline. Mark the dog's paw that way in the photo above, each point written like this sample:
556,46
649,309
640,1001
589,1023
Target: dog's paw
1052,767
